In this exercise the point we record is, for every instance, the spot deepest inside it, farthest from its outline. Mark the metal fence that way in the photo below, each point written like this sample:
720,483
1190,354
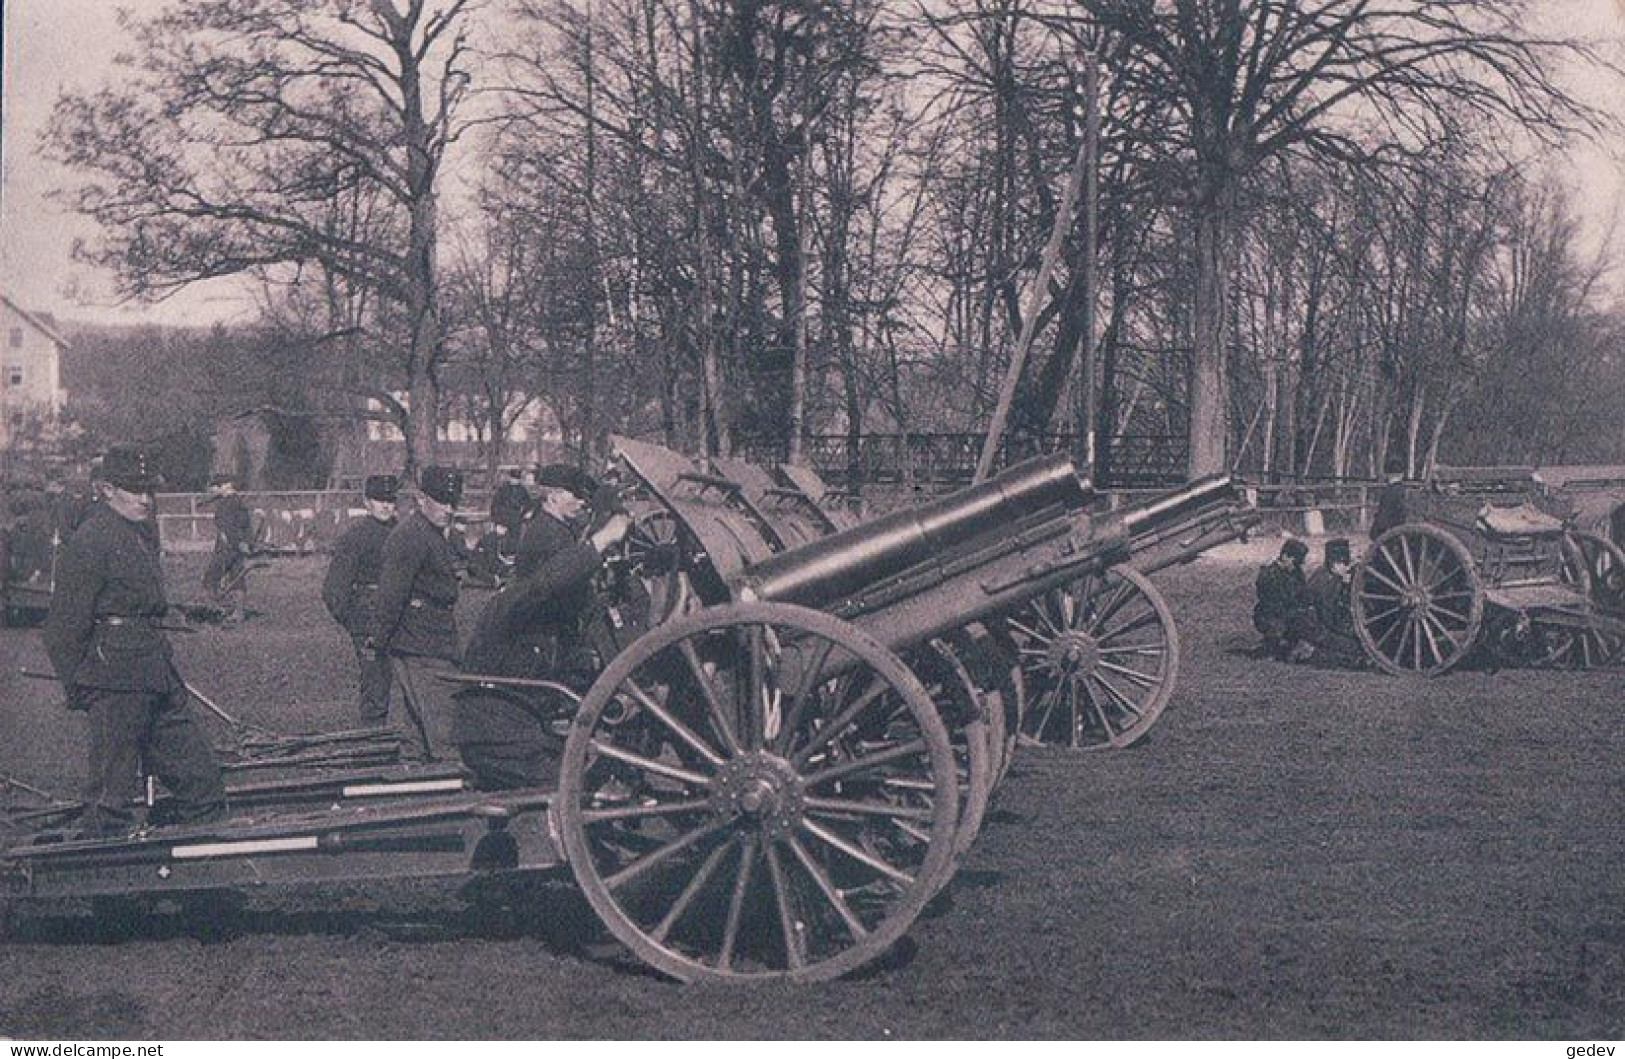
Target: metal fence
291,523
949,458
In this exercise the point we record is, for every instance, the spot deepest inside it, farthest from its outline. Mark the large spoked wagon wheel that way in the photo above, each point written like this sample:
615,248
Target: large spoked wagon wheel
758,791
1416,600
655,551
1100,658
959,705
1595,566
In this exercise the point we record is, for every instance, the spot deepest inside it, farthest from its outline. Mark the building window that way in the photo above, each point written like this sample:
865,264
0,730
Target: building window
16,420
14,375
16,338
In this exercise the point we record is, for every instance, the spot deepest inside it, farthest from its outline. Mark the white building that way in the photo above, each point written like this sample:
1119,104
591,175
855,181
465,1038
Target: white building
31,394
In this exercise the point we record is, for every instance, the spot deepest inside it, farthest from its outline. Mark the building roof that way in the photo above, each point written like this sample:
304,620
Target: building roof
37,320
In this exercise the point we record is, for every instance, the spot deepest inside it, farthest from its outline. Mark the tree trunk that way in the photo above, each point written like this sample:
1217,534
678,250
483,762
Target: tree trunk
1210,326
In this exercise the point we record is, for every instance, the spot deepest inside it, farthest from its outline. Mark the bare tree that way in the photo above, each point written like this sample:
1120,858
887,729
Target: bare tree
222,151
1251,80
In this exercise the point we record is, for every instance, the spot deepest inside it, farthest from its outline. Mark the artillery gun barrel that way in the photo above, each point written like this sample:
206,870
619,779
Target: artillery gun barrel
832,568
996,571
1182,504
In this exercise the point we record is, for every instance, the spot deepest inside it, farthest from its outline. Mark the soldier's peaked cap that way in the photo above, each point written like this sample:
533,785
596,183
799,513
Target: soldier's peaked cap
130,469
1338,551
381,487
441,484
565,476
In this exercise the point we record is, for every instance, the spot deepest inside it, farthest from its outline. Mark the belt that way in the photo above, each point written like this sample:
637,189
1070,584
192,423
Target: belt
125,619
417,603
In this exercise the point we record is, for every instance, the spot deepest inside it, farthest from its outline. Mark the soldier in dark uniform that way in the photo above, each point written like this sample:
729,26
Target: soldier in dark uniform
350,589
415,627
1284,615
526,631
31,532
558,519
1328,590
226,577
492,563
114,660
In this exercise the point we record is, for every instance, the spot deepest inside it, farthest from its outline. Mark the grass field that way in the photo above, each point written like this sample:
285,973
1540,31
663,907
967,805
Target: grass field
1294,852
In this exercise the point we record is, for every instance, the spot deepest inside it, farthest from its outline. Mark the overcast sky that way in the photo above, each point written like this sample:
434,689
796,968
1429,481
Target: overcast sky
55,45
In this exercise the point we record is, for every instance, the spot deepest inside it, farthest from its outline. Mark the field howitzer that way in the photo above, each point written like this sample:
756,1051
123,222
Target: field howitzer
775,778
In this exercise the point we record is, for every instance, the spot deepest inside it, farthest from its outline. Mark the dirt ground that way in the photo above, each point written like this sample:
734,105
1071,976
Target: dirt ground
1294,853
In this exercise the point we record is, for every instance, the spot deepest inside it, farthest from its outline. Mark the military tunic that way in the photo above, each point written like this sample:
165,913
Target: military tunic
542,538
233,537
1283,613
350,593
416,625
519,634
115,663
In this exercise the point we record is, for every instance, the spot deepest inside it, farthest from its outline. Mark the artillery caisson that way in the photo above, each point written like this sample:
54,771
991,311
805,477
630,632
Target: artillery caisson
1487,564
770,783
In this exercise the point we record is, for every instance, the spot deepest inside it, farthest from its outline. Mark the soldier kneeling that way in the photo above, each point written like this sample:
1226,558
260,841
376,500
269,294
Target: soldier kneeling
1284,614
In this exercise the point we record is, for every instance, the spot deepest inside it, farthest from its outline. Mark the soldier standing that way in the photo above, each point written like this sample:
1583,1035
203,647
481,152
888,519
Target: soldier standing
226,577
350,589
492,564
114,661
415,628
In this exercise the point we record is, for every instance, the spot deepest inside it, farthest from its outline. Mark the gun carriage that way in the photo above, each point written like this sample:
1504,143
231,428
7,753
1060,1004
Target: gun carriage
1487,561
771,781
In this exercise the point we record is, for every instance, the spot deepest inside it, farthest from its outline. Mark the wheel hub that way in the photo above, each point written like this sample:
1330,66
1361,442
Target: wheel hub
1073,652
1417,598
762,789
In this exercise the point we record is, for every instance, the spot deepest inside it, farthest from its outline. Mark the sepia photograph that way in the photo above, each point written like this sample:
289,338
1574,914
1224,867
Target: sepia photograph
871,520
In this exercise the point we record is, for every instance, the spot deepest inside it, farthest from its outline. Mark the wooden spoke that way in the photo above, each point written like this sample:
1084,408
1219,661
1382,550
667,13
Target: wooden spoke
736,901
646,812
1410,567
1396,586
713,705
868,860
858,765
839,723
854,925
794,944
804,694
659,768
1025,631
1113,733
855,807
642,866
676,727
1133,676
707,868
1122,700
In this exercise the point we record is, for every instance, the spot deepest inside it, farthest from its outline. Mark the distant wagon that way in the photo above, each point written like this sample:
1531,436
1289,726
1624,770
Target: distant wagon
1491,561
